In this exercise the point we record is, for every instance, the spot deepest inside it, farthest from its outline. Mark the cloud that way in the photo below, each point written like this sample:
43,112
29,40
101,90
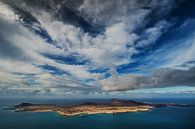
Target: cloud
39,39
160,78
21,56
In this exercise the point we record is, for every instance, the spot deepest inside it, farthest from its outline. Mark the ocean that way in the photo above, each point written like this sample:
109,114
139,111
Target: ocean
160,118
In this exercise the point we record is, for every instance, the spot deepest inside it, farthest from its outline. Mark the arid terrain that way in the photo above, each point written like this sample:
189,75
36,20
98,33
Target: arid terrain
113,107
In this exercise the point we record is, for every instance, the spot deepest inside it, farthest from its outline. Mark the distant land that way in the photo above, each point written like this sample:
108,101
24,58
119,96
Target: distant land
88,108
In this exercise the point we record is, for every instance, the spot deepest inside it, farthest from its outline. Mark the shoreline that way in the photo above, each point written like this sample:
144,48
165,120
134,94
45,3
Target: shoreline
89,108
105,111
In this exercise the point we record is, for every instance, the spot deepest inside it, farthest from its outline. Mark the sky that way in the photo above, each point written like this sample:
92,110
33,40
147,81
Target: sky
97,48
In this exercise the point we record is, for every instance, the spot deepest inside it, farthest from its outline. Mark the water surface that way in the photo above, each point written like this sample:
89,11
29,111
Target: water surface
161,118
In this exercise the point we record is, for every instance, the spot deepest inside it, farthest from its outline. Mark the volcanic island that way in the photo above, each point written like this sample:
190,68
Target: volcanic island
115,106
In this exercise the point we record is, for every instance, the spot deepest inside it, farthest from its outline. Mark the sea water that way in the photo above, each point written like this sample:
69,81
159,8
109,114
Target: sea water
160,118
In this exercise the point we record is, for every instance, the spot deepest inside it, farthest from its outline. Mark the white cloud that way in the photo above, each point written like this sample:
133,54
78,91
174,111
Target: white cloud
150,35
106,49
7,13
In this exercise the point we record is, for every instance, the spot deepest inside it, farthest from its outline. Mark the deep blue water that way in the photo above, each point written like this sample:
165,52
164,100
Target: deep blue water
161,118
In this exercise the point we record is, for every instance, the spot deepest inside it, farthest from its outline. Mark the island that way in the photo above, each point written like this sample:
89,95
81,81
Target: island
113,107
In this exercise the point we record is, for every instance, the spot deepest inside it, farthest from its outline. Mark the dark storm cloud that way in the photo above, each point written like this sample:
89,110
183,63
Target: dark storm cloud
175,77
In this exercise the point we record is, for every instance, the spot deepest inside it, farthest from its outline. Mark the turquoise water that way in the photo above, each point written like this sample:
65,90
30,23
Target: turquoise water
161,118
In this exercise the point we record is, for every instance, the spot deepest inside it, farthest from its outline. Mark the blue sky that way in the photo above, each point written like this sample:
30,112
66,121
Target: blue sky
97,48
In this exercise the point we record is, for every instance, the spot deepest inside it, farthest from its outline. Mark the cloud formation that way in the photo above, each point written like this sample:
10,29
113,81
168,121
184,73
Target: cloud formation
160,78
94,46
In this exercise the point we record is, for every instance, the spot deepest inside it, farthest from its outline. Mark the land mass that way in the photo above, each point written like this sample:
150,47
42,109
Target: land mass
113,107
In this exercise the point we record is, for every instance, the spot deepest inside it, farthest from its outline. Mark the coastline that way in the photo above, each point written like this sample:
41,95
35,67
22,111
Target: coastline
115,106
105,110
